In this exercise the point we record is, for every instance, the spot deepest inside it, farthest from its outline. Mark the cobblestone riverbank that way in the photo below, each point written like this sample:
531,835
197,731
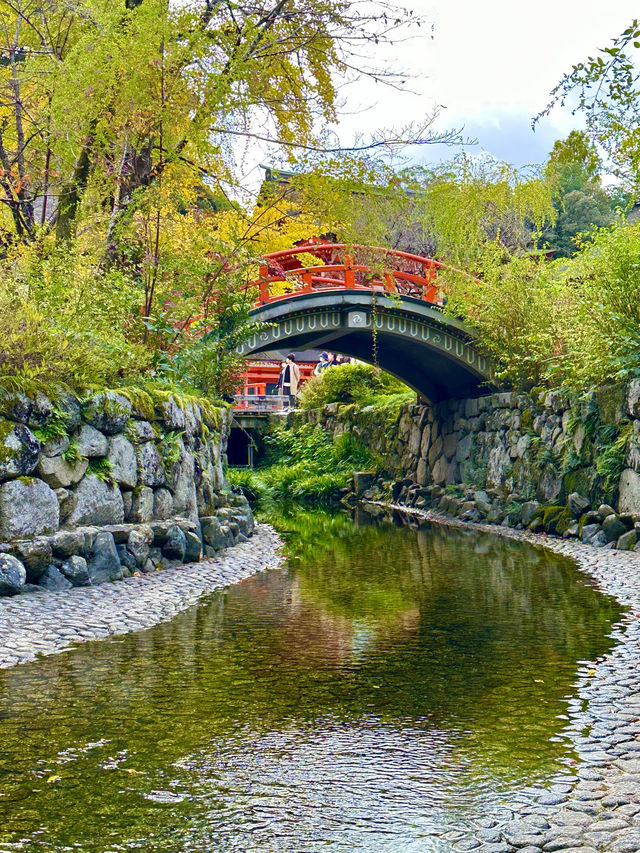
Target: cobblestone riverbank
594,807
45,623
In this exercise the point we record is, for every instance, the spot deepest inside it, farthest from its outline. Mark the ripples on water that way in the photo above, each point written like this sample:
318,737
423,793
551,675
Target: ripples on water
380,693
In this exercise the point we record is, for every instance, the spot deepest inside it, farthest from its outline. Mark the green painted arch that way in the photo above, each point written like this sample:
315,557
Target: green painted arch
434,354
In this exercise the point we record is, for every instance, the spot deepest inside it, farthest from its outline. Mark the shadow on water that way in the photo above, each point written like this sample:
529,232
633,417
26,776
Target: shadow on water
384,687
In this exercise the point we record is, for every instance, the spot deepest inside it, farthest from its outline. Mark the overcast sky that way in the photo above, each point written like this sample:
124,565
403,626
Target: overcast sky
491,63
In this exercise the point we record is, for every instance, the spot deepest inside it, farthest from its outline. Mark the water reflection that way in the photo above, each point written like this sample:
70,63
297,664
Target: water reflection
384,687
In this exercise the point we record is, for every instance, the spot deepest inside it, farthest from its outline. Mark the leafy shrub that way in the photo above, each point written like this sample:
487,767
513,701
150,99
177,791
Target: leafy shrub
350,383
303,464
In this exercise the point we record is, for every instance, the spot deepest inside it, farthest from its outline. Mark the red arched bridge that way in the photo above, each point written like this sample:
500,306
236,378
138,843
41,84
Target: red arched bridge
371,304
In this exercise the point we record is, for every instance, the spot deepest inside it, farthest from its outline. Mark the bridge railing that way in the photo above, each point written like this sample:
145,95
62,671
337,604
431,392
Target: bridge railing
288,273
260,402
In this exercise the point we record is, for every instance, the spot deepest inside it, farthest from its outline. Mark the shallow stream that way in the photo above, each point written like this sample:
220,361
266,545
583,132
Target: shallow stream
384,690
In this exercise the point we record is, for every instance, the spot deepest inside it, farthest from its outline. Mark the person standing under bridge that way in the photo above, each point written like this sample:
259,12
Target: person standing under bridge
325,361
289,380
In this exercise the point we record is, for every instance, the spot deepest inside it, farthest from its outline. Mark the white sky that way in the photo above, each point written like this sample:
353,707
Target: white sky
491,63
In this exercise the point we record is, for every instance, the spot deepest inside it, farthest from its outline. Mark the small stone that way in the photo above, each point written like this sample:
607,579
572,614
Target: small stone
139,542
67,502
604,510
56,446
13,575
142,431
127,560
91,443
54,580
627,541
66,543
212,532
613,528
76,571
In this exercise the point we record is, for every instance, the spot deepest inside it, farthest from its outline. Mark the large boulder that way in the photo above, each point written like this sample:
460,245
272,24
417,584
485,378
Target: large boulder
90,442
66,543
35,555
181,482
12,575
162,504
28,507
19,450
58,473
98,503
176,545
498,467
108,412
76,571
41,410
69,410
15,405
212,533
104,563
141,505
629,492
577,504
67,502
150,466
173,415
124,465
193,550
139,543
529,509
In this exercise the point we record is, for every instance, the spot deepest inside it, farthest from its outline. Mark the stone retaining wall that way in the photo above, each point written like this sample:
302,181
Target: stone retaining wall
557,463
98,489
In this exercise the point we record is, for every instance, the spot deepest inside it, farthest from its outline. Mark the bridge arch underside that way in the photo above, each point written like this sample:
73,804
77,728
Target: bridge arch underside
432,353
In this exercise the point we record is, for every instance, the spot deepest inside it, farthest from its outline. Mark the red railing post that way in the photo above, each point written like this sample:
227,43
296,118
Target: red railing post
349,274
263,288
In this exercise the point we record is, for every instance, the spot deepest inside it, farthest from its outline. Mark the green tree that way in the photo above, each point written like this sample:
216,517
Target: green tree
605,88
574,163
581,204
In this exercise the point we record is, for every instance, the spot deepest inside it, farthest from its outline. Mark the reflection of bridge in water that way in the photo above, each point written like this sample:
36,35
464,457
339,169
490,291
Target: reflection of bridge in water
354,299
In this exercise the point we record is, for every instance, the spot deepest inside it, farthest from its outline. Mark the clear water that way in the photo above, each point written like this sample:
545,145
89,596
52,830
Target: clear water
386,688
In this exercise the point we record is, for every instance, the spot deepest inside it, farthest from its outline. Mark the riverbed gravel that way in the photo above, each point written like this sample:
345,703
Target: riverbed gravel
46,623
593,807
